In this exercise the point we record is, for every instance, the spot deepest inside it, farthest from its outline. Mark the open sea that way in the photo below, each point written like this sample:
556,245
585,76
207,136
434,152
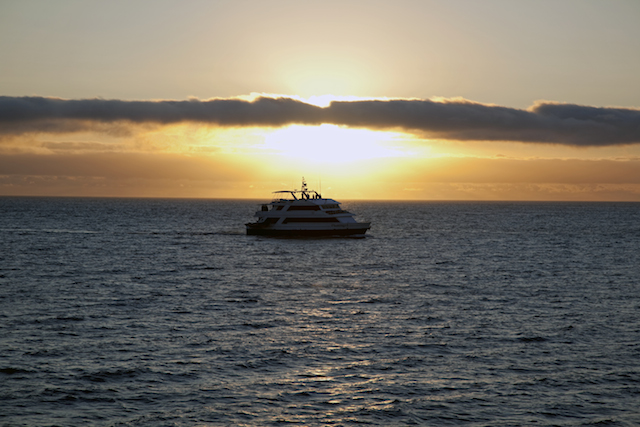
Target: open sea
157,312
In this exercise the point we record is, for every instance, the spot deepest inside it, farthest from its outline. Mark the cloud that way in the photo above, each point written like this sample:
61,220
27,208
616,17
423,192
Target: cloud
463,120
54,114
538,171
122,165
168,175
454,119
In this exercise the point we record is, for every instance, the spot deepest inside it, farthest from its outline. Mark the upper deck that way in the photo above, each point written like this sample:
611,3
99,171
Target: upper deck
296,195
303,194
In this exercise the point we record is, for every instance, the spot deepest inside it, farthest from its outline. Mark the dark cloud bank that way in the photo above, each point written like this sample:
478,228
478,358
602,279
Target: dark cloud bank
545,122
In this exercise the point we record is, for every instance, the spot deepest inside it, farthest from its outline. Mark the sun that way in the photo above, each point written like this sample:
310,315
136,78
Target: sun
325,72
331,144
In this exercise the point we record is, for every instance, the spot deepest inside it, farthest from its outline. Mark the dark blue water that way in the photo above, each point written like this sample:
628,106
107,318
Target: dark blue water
163,312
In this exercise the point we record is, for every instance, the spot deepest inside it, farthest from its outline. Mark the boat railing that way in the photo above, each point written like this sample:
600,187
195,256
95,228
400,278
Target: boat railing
296,195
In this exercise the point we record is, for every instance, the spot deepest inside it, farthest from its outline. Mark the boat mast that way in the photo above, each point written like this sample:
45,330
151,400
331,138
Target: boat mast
303,190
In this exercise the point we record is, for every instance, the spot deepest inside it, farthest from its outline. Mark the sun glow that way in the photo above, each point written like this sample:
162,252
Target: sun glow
330,144
324,71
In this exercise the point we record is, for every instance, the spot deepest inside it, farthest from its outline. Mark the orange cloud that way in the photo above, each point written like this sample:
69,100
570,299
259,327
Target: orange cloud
179,175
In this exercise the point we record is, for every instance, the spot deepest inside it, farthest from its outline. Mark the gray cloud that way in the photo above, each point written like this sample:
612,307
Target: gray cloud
224,112
545,122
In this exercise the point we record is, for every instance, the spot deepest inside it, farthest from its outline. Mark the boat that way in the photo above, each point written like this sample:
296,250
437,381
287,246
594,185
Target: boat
305,213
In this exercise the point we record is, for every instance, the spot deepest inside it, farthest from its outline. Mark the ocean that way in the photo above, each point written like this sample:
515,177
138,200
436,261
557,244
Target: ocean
157,312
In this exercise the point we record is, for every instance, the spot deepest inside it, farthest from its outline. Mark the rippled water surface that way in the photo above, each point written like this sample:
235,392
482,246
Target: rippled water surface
163,312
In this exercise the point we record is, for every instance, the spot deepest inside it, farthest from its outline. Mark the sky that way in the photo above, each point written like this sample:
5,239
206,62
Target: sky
398,100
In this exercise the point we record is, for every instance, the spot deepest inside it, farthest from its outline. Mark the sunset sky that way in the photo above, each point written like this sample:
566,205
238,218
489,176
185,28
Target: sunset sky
407,100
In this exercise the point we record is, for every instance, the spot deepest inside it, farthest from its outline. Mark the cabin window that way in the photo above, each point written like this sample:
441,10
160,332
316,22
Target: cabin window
304,208
279,208
289,220
330,206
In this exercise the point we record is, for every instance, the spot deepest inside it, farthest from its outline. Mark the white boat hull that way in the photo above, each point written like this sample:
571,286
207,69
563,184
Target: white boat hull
357,229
